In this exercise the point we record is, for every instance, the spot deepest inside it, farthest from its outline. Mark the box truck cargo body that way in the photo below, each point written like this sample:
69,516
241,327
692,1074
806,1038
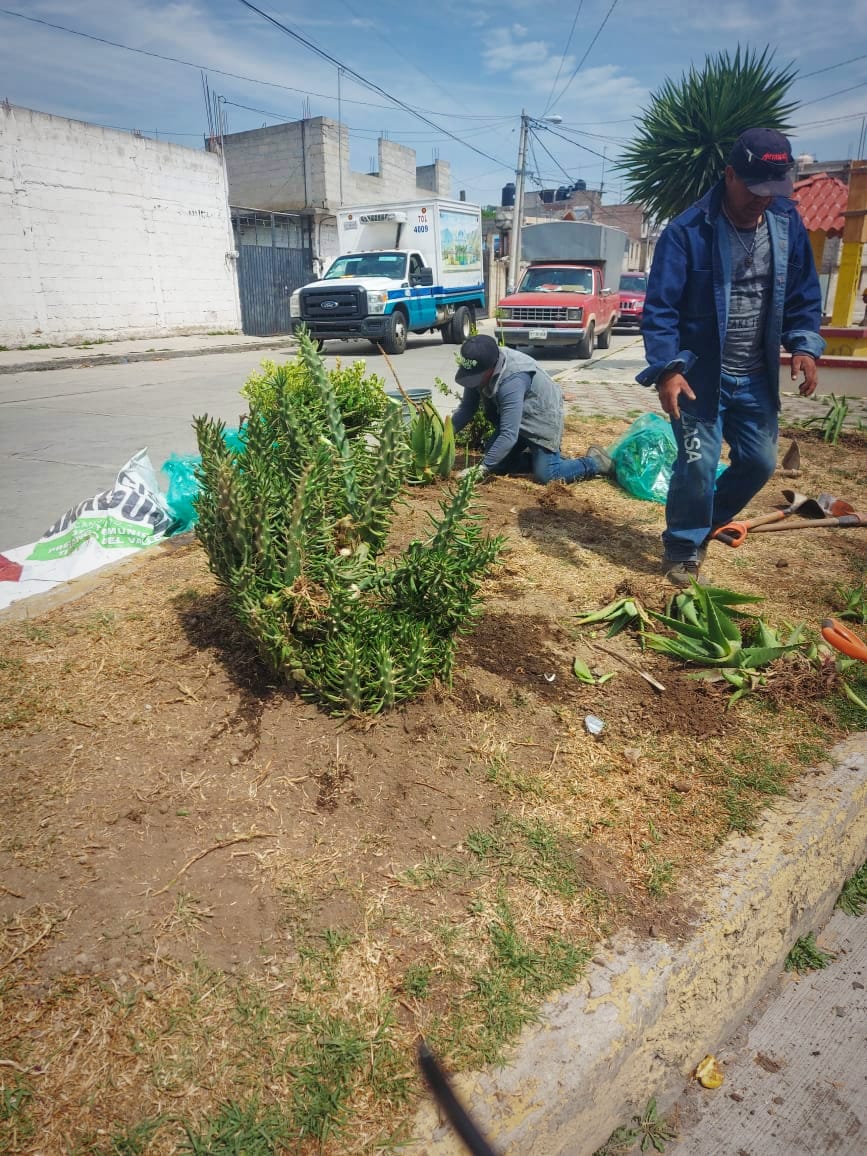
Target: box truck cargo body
403,268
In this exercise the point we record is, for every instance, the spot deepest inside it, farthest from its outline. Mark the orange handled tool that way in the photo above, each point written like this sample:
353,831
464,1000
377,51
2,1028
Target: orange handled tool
735,533
842,639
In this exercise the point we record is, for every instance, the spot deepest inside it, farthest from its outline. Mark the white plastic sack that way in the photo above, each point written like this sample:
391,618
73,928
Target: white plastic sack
108,526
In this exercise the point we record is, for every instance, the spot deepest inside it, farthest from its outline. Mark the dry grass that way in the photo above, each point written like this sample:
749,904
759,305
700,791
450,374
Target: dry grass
212,894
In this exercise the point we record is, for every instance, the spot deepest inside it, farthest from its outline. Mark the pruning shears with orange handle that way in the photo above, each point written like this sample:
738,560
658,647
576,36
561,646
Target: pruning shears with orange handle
842,639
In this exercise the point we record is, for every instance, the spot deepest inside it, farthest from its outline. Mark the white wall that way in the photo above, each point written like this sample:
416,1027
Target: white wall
104,234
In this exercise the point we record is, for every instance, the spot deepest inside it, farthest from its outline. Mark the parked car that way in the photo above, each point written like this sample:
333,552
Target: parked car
633,288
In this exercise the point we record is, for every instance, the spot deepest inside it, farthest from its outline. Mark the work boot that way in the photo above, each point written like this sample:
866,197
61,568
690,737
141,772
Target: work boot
680,573
602,461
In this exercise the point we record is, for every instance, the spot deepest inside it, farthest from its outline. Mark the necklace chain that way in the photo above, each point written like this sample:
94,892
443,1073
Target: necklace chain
748,249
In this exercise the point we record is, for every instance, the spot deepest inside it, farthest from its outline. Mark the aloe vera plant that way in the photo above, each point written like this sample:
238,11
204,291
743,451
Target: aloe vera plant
432,443
703,632
619,614
294,523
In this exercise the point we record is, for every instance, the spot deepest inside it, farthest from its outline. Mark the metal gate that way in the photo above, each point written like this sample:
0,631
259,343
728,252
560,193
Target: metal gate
275,258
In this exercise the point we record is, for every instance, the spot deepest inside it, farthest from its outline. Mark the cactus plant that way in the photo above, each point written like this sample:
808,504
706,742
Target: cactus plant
294,524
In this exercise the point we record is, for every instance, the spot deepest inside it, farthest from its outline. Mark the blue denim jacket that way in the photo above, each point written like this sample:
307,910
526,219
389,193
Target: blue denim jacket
688,292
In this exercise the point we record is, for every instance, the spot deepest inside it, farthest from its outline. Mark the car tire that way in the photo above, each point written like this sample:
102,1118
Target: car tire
585,348
604,340
461,325
396,333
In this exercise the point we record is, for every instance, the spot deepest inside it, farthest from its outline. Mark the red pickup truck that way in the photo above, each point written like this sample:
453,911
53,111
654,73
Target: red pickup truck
568,294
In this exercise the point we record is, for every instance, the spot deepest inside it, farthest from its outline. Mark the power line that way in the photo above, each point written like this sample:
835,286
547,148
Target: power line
830,67
587,53
222,71
545,149
827,96
563,55
578,144
365,132
829,120
320,52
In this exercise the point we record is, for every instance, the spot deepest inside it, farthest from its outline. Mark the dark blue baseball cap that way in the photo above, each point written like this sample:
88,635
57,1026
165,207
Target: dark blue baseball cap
762,158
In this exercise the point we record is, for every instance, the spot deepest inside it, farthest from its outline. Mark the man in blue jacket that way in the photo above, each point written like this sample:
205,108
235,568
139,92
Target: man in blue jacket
732,280
525,406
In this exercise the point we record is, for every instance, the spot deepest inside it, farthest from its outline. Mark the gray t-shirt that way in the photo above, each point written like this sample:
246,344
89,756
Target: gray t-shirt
743,351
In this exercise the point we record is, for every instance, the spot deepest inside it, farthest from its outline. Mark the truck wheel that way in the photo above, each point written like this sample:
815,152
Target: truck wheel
394,338
585,347
604,340
462,324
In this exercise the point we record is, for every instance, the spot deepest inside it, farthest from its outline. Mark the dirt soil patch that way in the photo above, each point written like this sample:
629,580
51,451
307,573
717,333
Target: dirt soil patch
212,892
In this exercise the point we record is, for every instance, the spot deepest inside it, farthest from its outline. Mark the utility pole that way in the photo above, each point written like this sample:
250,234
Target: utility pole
518,210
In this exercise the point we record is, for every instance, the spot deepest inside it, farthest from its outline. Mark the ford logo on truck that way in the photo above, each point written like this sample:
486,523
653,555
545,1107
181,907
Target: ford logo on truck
329,304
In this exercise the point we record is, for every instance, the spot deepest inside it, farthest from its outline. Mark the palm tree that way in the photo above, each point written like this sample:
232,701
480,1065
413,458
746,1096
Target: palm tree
690,126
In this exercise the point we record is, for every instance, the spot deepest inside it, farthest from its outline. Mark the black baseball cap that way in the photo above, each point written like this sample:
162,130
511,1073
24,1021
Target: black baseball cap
478,356
762,158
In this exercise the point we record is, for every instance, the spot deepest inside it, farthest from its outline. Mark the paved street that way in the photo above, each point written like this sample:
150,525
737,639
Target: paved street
64,433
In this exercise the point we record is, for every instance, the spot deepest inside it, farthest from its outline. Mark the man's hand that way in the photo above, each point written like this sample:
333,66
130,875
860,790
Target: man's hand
804,363
479,473
671,386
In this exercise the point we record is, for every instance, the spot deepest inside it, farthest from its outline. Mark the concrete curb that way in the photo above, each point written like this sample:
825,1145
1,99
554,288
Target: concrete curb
88,362
641,1021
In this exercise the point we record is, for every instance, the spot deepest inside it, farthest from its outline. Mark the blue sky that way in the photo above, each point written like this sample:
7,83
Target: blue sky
470,66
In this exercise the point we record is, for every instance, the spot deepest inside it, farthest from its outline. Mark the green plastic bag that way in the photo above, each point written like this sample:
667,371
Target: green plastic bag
644,457
184,485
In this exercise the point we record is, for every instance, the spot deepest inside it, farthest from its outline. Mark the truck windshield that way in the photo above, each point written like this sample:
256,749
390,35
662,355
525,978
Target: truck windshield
391,265
633,283
557,281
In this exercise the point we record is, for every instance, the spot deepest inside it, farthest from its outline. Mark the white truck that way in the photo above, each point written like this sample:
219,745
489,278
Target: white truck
403,268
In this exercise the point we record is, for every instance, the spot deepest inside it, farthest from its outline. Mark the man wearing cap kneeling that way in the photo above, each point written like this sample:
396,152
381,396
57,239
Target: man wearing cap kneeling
525,407
732,280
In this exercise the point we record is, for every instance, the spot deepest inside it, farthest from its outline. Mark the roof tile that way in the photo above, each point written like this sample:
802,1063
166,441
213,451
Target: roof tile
821,200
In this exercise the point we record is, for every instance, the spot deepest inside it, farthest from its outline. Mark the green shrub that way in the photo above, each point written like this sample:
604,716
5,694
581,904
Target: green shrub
294,523
361,400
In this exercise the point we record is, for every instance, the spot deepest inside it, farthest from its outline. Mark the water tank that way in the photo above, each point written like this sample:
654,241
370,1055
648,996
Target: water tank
508,197
579,187
546,196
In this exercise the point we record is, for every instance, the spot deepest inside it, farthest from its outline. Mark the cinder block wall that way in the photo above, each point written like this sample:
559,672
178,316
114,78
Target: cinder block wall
297,166
106,235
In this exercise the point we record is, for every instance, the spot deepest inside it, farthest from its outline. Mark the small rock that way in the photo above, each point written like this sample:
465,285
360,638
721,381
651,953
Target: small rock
857,986
234,760
682,787
632,755
782,564
736,1096
778,1100
840,1012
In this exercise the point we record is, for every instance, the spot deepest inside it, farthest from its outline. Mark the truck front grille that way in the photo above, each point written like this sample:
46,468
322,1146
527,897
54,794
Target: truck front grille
534,313
337,304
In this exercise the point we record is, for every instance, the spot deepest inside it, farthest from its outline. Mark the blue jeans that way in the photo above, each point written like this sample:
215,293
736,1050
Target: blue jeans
526,457
697,499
